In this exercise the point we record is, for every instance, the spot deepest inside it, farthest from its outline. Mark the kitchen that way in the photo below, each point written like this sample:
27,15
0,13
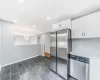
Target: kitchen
26,42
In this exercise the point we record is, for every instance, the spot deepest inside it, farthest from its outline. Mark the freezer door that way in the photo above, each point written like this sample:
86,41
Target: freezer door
53,54
62,52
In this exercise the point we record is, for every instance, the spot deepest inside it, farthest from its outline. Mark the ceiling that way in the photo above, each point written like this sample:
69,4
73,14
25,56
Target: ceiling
34,12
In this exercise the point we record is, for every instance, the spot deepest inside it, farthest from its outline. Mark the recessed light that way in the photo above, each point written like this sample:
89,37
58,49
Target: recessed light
15,21
21,1
48,18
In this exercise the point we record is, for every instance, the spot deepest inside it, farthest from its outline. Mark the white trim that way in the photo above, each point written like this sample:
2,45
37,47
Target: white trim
19,61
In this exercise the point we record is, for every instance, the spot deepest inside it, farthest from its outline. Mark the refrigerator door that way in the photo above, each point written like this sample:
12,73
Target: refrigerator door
53,52
62,52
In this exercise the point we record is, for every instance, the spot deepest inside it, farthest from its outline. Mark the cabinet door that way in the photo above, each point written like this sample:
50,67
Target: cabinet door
62,53
55,27
53,51
78,28
66,24
62,25
92,26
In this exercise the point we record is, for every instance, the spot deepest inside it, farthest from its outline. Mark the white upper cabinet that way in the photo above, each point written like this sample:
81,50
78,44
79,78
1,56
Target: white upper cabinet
78,28
87,26
92,28
65,24
62,25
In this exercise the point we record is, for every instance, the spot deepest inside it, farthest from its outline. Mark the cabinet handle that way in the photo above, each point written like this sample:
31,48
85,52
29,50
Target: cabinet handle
82,34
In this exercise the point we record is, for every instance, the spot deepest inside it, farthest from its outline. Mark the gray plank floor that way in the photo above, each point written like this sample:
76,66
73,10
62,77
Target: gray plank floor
32,69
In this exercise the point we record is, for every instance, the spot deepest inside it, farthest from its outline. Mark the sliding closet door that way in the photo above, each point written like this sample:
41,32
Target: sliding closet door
53,59
62,55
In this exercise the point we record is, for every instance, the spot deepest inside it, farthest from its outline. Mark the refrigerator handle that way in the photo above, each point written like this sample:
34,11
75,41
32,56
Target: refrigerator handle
87,72
69,41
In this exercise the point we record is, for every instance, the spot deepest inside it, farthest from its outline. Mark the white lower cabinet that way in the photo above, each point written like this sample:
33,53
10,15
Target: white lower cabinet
86,26
85,71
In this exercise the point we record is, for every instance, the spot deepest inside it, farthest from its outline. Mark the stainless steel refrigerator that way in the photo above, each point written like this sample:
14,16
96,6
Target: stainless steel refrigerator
60,47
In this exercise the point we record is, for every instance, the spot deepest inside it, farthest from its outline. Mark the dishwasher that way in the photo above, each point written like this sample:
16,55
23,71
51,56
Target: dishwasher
79,67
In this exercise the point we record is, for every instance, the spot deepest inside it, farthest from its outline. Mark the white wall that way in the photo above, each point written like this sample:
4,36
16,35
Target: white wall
38,40
7,40
33,40
86,47
19,40
45,42
20,53
11,53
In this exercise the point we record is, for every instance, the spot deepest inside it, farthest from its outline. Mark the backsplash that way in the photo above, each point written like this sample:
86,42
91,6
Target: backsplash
86,47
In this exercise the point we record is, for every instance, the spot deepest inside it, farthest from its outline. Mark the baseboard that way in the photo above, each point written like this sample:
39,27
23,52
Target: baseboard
19,61
72,77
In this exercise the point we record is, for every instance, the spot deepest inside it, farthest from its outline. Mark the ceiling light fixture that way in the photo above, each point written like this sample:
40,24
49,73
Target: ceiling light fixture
21,1
48,18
